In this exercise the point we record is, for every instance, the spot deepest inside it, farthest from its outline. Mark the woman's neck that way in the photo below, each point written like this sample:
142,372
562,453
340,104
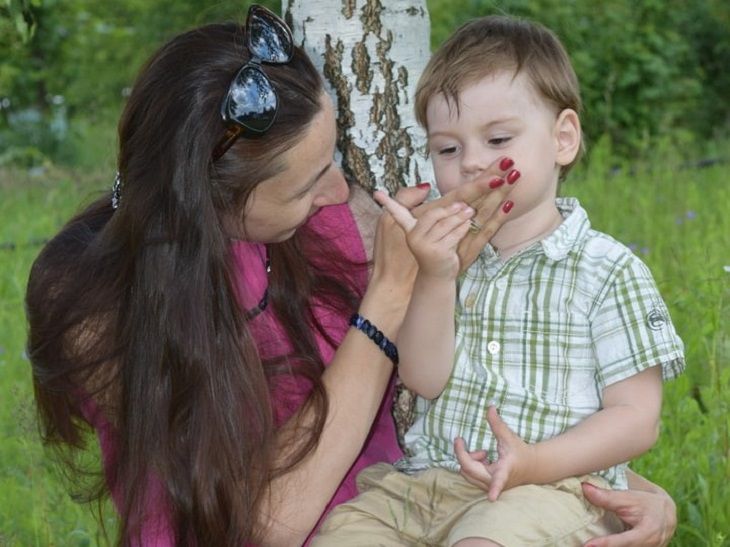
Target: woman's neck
518,234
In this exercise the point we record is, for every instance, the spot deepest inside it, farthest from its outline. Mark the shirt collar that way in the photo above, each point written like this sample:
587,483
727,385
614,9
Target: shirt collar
570,233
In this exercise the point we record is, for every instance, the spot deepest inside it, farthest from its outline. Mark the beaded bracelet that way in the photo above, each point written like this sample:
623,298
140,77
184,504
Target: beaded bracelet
372,332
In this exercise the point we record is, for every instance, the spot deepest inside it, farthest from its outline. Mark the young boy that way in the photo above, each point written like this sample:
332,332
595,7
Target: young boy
558,326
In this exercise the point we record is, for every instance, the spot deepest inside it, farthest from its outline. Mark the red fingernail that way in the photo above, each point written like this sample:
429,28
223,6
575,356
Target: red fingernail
423,185
506,163
507,207
496,182
512,176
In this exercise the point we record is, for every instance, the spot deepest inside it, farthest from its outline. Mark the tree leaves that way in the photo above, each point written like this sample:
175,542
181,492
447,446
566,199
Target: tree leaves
21,15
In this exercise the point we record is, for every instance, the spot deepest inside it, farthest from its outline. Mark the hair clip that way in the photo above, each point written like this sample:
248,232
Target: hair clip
117,191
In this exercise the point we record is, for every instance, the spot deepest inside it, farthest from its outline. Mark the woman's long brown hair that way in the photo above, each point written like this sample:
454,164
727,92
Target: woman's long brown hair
137,307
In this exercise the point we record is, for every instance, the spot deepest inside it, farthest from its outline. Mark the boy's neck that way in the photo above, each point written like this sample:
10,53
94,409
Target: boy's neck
521,232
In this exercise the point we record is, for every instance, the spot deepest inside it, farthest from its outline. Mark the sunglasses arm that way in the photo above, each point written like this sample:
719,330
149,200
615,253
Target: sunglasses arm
232,133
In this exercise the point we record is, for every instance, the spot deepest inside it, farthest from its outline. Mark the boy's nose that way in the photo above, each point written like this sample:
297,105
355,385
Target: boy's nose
474,162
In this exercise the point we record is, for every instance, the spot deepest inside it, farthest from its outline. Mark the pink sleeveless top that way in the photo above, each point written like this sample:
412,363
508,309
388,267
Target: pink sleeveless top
337,225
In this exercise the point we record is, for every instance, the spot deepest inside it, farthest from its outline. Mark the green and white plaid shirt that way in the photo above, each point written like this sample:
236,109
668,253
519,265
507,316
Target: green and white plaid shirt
541,335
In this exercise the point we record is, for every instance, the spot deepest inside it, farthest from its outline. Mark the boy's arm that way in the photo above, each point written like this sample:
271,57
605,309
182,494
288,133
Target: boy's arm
626,427
426,338
630,325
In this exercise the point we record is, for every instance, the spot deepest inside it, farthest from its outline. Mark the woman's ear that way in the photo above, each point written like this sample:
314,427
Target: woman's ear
568,136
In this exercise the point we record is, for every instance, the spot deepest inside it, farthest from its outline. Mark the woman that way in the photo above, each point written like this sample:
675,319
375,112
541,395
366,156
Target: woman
188,318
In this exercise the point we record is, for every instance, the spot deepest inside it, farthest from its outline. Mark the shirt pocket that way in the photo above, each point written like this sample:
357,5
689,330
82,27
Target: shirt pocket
553,358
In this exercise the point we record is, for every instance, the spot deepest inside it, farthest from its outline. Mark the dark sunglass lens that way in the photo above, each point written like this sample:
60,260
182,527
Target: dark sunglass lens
269,38
251,100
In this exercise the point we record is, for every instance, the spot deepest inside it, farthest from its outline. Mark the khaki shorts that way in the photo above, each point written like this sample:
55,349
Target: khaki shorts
439,507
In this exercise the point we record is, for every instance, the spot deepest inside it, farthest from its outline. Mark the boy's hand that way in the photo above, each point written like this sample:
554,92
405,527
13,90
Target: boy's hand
512,468
488,196
434,236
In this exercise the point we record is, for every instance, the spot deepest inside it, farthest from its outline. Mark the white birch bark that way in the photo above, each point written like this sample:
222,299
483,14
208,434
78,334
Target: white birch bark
371,53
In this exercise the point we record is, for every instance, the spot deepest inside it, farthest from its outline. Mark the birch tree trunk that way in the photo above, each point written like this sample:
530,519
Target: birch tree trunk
371,53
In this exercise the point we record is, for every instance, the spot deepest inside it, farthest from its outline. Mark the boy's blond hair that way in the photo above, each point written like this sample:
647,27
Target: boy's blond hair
490,44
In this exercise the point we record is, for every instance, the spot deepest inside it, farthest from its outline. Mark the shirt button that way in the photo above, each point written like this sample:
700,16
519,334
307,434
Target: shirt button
470,300
493,347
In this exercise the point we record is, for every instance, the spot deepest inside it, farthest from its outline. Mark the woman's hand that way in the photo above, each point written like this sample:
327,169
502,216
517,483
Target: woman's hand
648,512
487,196
394,266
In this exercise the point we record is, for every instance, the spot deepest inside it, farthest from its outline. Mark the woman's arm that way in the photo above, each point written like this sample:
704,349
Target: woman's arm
359,373
355,381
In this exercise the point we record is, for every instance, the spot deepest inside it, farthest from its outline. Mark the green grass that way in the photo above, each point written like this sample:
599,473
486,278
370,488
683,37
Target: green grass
35,509
675,217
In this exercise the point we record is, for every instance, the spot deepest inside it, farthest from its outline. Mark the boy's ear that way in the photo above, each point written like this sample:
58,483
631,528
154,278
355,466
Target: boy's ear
568,136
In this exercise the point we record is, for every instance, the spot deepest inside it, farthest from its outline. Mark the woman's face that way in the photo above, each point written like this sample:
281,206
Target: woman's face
310,180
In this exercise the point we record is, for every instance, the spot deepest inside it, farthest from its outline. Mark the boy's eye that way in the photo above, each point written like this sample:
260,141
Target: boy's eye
447,150
496,141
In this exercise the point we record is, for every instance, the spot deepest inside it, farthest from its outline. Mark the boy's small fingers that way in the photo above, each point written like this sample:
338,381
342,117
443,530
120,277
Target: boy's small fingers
460,448
475,482
412,196
449,228
401,214
457,233
495,489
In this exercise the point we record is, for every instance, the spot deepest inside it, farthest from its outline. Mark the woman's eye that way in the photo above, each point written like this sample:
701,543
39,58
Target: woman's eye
496,141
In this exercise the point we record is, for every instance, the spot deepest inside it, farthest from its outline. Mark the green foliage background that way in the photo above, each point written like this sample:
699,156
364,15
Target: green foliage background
656,88
63,82
650,69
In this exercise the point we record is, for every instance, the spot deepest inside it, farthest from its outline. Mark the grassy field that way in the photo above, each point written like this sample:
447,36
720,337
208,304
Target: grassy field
674,216
35,509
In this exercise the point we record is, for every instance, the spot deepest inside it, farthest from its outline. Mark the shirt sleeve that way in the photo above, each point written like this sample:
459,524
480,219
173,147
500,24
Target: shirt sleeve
631,328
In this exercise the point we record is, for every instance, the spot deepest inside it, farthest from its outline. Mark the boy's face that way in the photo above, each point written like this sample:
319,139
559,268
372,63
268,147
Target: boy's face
499,116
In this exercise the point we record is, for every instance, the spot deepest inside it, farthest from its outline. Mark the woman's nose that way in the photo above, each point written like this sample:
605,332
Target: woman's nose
334,191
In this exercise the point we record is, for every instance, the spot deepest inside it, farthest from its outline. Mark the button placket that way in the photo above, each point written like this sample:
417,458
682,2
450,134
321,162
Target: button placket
494,347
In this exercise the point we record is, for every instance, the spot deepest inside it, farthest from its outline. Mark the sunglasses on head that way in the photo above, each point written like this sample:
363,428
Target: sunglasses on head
251,102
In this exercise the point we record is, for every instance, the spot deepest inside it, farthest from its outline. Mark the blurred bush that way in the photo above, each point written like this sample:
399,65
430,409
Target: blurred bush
66,67
649,69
